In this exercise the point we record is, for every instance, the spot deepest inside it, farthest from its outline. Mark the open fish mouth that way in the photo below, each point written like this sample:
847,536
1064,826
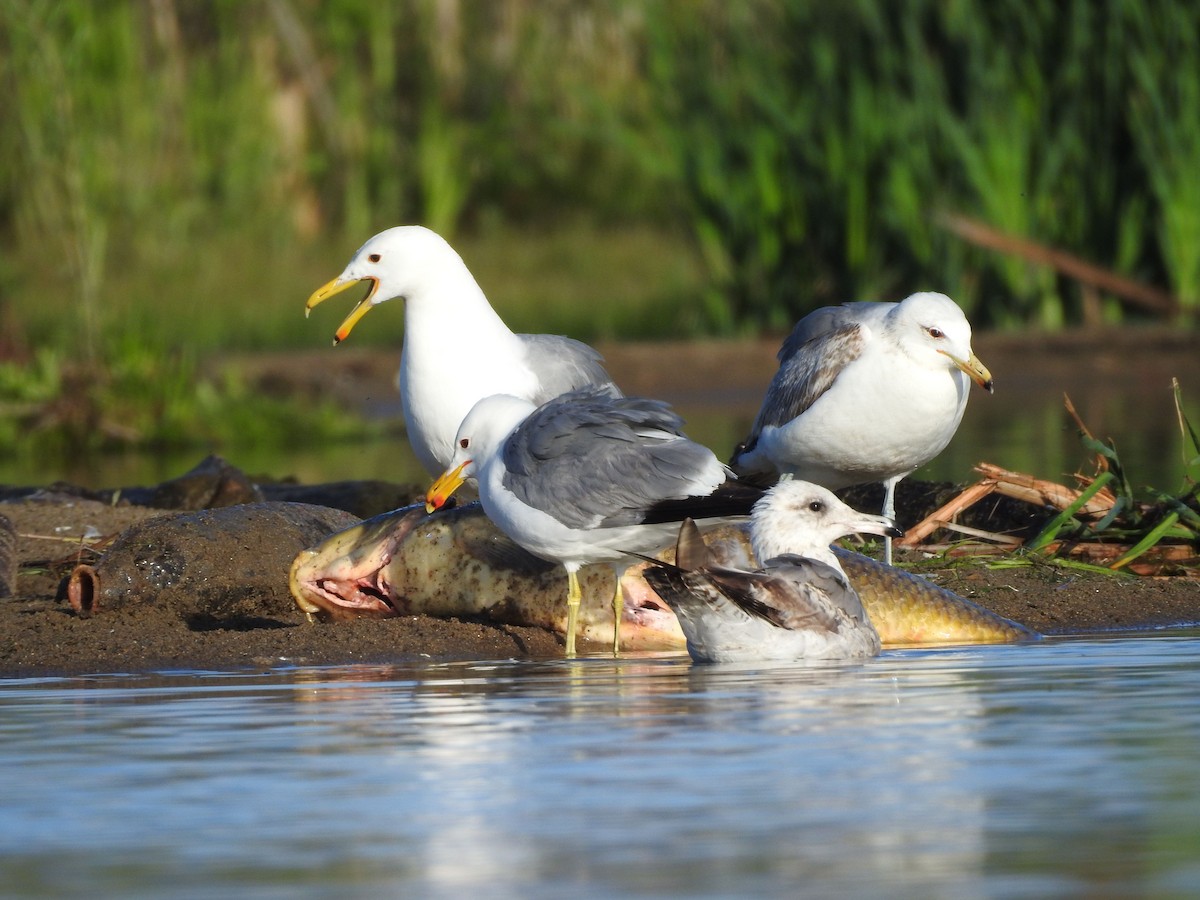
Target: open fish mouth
346,577
331,599
644,615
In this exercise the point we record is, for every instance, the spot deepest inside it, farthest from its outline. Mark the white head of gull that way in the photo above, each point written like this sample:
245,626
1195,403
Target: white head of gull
797,605
588,477
456,349
865,392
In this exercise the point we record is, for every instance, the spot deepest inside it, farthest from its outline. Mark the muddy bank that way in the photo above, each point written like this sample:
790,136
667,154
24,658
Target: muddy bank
44,636
52,533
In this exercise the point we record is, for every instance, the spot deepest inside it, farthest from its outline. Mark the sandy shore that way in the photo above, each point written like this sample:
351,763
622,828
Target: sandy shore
43,635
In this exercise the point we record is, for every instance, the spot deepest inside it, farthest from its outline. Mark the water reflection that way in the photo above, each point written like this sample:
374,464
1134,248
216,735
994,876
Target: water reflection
1062,767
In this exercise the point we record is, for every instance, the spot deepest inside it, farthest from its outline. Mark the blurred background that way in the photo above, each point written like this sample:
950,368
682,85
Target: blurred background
177,176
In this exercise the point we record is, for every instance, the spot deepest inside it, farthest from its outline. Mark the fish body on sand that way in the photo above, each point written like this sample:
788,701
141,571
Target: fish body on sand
909,609
456,563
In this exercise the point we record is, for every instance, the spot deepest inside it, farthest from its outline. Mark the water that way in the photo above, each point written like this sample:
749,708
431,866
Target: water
1065,768
1121,392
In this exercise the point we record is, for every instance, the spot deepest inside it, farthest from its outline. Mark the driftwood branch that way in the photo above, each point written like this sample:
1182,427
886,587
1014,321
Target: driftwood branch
1036,491
946,513
1149,298
1041,492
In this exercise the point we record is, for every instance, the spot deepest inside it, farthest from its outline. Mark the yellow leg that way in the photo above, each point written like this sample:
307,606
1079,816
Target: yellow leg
618,609
573,594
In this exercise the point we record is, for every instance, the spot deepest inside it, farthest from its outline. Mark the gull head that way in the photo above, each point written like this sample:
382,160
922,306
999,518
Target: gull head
933,331
481,438
804,519
393,264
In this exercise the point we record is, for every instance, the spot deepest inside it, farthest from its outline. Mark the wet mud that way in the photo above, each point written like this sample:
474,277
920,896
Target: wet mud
214,594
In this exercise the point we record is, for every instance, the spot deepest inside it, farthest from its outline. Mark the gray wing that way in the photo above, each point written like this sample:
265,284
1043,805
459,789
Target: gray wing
831,318
586,458
806,373
562,364
690,594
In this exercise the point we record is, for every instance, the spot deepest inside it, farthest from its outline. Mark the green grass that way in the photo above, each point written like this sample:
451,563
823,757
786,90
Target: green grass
175,179
243,292
802,149
1138,524
145,386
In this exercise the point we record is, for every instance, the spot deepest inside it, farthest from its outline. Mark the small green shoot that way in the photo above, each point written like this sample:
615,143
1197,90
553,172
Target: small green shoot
1055,525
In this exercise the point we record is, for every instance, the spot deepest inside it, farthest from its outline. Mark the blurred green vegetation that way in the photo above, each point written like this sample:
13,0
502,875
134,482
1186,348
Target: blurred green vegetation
176,176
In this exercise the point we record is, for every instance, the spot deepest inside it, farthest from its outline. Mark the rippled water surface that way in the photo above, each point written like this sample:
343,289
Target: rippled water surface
1066,768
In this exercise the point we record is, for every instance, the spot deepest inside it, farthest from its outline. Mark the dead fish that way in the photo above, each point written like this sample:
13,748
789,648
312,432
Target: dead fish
457,563
454,563
212,483
909,609
211,566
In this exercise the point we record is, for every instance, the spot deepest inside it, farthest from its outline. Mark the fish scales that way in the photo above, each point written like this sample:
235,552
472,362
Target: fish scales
908,609
456,563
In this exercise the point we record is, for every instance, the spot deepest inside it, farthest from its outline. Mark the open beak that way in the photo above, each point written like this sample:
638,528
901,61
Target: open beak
975,370
336,286
449,482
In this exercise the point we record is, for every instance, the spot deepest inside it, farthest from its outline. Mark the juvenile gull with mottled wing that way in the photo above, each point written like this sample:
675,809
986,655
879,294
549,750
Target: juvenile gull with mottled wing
797,605
456,350
865,392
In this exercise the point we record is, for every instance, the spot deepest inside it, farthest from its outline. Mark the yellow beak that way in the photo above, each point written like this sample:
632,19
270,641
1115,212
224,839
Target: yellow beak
441,490
336,286
975,370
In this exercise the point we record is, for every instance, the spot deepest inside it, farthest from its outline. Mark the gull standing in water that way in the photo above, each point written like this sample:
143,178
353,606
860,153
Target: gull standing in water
588,477
456,350
865,392
797,605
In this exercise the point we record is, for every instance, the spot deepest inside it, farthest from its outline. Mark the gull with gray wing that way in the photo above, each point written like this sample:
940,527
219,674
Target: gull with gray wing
865,392
588,477
456,349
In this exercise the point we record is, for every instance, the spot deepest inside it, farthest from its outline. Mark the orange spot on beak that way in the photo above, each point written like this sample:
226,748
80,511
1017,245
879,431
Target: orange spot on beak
442,489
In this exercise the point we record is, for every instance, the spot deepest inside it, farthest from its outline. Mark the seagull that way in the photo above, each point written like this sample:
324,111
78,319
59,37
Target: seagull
865,392
456,350
797,605
588,477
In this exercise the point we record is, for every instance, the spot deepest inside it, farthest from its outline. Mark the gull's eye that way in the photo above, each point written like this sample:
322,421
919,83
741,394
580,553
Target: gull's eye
464,443
815,505
374,257
935,332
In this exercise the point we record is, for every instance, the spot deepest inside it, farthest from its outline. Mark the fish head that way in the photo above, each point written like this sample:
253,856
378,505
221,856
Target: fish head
346,576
